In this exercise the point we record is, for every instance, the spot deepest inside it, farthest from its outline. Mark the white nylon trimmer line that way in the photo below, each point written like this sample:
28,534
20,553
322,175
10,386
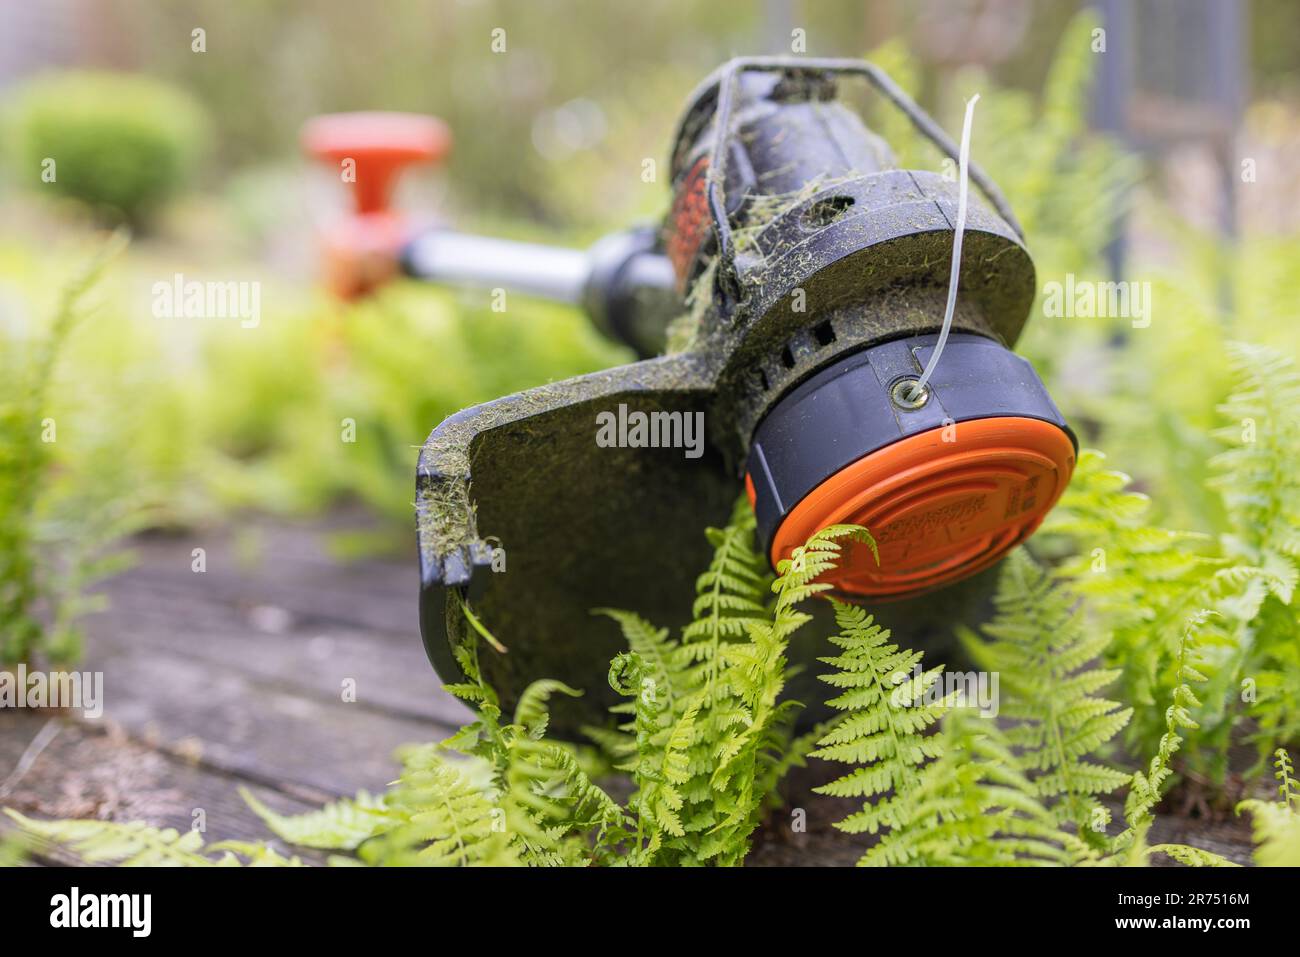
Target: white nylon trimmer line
963,162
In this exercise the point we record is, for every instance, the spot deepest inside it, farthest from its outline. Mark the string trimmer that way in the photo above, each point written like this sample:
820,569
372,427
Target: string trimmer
808,276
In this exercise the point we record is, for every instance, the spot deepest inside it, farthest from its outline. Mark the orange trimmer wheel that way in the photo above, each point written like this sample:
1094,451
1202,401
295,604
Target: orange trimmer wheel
947,484
941,505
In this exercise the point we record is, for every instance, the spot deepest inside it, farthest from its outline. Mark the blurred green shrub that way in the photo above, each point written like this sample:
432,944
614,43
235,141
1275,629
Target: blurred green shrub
120,143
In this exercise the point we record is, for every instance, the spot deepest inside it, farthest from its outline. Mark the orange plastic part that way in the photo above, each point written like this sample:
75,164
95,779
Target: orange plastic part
380,144
370,150
942,505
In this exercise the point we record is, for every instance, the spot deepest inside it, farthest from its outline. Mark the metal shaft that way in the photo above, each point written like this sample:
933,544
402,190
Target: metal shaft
461,259
624,283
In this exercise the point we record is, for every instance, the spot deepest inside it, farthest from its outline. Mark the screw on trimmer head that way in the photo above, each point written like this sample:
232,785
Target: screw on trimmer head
819,272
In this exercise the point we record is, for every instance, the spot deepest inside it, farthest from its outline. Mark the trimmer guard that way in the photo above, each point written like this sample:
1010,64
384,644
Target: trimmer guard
520,485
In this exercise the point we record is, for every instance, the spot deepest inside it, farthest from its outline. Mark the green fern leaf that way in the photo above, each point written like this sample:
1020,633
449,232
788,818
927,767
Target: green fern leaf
343,825
1037,643
972,807
1277,833
1191,856
136,844
885,720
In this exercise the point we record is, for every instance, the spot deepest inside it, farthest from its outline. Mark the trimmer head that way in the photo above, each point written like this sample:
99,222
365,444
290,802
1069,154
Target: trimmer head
947,483
819,274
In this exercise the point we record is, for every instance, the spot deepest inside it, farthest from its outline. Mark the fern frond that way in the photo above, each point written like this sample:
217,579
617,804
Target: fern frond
1287,787
136,844
663,665
532,711
446,819
730,596
1257,480
972,807
340,826
1036,643
707,757
1118,555
883,728
1191,856
1146,789
1276,832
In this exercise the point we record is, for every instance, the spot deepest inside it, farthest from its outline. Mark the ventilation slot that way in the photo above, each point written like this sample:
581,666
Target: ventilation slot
825,211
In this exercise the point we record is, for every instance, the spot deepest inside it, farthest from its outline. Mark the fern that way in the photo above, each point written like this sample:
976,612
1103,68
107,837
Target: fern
963,796
1276,825
972,806
883,730
1118,556
706,739
15,846
540,796
1046,664
661,765
681,745
1146,789
754,680
138,845
342,825
786,751
729,597
664,666
1257,480
1191,856
1256,475
1288,788
548,801
709,738
1247,572
1276,831
440,818
519,799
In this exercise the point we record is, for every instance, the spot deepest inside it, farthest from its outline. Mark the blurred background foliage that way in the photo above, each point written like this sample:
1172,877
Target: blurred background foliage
197,419
127,143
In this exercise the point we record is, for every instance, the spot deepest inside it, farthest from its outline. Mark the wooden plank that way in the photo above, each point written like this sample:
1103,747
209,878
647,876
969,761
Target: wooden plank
287,565
296,616
236,676
101,774
262,731
386,673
